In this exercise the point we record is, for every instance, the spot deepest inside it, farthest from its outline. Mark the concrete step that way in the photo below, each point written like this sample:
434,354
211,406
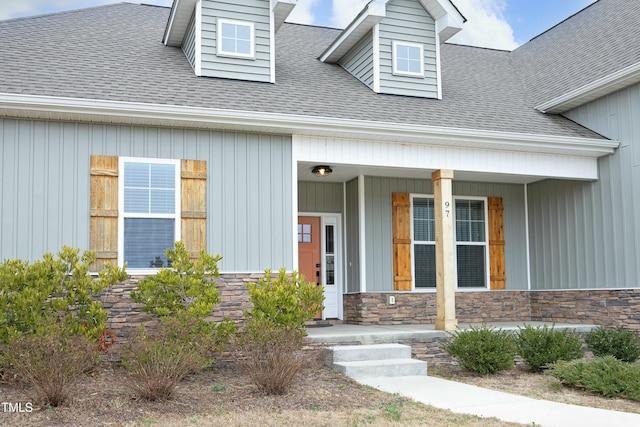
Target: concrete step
382,368
355,353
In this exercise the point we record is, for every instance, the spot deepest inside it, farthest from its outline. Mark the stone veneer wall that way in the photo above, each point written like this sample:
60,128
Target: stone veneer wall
609,308
599,307
126,316
413,307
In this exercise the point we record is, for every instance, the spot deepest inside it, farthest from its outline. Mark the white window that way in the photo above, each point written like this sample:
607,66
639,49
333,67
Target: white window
470,236
235,38
149,213
408,59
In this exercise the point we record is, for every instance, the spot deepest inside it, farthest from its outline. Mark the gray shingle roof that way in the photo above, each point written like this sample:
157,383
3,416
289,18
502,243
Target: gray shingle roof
115,53
599,40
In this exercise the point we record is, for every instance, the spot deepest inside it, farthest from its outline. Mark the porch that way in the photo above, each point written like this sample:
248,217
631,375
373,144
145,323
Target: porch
423,339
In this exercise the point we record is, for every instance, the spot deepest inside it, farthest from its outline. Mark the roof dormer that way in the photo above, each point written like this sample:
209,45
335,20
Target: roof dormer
228,39
393,46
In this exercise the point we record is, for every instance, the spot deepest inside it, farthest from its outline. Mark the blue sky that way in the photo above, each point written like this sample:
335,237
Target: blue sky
499,24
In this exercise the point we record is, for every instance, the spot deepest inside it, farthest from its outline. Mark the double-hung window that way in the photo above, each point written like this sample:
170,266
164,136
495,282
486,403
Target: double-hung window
470,237
471,243
408,59
150,211
236,38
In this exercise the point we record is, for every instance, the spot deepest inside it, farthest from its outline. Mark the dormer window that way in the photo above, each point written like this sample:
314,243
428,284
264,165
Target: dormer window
408,59
235,38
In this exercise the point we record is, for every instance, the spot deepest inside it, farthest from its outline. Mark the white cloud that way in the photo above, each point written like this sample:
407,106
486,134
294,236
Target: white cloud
345,10
486,25
303,12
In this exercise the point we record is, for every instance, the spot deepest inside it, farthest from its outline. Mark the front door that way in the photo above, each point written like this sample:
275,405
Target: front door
318,258
309,249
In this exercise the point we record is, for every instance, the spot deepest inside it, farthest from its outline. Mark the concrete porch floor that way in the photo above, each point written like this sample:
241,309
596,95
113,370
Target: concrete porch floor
368,334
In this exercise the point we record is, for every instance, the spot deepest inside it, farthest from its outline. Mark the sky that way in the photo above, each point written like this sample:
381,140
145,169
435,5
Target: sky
496,24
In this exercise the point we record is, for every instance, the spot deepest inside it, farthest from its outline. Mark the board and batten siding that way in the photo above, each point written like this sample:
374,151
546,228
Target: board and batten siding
586,235
189,42
45,183
359,60
408,21
255,11
320,197
378,214
353,236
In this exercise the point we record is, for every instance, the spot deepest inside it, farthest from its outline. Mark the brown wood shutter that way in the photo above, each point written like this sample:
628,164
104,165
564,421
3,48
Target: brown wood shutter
496,244
401,218
194,205
103,228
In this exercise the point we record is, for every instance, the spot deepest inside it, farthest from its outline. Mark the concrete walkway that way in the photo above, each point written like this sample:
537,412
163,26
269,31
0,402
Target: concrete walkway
469,399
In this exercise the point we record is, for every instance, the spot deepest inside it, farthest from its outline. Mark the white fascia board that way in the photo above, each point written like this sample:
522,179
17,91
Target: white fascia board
132,113
448,18
371,15
179,17
594,90
281,10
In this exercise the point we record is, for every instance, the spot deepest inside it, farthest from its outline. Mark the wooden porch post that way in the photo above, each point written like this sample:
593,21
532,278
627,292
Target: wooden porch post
445,245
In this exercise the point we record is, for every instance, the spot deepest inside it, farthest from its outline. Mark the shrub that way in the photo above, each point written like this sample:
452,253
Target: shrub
157,364
48,365
541,346
623,344
484,350
270,354
62,290
285,300
607,376
182,297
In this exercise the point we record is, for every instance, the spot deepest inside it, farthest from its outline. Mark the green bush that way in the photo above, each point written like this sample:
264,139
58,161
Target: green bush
270,354
285,300
61,290
47,366
484,350
540,347
607,376
623,344
184,296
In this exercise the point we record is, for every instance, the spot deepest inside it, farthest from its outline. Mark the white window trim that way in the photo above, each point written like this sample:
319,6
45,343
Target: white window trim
122,215
394,58
252,35
485,244
487,266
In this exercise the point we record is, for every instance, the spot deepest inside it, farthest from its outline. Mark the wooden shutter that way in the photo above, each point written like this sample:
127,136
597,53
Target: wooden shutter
103,228
194,205
401,218
496,244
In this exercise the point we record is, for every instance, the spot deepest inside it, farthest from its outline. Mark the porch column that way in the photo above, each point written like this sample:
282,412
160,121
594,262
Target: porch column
445,273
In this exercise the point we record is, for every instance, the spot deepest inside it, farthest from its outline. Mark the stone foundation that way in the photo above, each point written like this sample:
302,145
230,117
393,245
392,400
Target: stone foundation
126,316
609,308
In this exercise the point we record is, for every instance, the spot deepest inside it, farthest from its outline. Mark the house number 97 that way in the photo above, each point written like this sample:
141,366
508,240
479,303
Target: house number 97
446,207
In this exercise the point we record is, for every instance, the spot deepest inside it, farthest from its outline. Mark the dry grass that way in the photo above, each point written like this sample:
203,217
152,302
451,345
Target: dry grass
522,381
223,395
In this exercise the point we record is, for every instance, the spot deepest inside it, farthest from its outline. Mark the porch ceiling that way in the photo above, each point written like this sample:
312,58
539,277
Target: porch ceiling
345,173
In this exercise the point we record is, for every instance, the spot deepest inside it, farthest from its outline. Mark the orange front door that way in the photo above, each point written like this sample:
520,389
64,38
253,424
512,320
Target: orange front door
309,248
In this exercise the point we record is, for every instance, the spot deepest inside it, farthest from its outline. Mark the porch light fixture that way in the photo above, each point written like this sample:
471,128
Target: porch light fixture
322,170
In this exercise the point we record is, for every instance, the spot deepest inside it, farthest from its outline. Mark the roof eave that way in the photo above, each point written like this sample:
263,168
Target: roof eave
179,18
594,90
142,114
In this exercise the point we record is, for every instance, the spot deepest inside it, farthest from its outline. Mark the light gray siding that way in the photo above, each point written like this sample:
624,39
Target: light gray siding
189,42
255,11
586,234
318,197
379,245
408,21
359,60
44,187
352,222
